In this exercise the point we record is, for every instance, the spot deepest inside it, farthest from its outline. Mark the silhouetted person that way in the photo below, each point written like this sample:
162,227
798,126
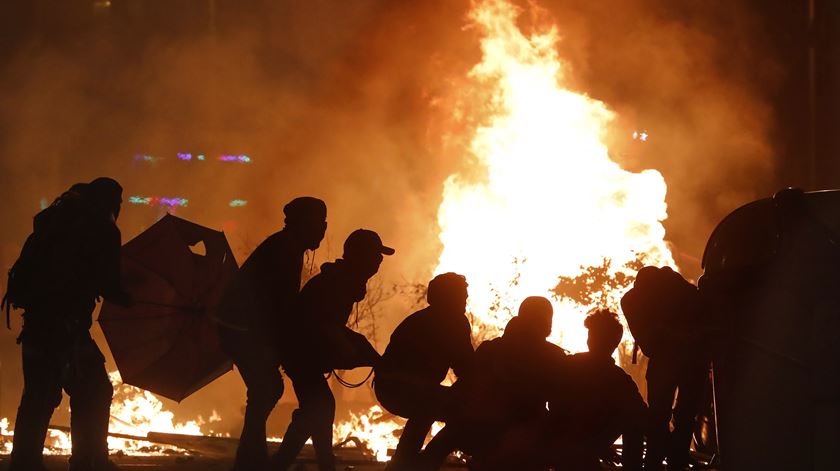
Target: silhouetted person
254,315
71,260
663,311
323,342
422,350
595,404
504,399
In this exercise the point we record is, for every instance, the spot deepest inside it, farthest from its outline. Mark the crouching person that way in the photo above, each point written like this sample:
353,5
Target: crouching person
502,404
596,404
422,350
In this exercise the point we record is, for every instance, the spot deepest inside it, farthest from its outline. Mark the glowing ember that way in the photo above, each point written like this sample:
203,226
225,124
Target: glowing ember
550,200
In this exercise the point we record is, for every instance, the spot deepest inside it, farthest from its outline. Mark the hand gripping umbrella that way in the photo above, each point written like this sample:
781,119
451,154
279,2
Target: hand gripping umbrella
166,341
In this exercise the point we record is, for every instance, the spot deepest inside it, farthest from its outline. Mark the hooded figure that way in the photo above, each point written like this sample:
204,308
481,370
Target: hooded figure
255,318
71,260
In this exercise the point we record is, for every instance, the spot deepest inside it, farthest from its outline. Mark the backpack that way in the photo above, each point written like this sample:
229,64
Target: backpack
660,304
50,255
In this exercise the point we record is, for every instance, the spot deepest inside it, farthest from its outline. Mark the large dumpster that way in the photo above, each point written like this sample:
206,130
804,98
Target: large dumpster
772,282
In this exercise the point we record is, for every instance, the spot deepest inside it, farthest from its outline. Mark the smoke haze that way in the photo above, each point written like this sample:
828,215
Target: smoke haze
351,102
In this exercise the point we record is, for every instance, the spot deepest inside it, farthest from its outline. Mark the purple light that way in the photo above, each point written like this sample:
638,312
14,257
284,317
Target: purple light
235,158
158,201
184,156
173,201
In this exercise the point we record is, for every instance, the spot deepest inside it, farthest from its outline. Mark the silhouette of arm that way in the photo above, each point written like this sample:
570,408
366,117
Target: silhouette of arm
108,268
463,354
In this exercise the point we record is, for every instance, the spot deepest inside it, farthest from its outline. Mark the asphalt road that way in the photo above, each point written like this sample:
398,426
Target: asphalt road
189,463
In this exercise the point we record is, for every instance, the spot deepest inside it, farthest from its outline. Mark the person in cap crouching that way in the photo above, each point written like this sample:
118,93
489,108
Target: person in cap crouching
422,350
323,342
254,313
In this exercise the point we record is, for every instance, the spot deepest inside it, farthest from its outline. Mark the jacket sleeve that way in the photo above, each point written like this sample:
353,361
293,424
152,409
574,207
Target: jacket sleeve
108,268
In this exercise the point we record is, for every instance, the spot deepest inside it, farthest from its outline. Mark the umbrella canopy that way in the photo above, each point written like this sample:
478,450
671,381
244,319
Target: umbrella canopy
167,342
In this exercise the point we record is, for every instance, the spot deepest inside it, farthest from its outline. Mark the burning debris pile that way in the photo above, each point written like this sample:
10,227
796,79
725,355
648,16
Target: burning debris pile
138,414
134,413
549,201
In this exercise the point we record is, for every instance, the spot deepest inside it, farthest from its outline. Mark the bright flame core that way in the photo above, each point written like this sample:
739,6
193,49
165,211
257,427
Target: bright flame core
551,200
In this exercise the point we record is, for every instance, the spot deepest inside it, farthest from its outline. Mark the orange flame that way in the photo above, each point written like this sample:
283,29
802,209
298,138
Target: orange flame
550,200
134,411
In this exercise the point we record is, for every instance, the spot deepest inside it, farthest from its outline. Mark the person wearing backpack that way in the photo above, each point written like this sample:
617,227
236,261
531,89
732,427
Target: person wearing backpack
663,312
69,262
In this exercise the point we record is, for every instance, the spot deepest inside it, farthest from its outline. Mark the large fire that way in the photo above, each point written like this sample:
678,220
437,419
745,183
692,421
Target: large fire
550,204
550,201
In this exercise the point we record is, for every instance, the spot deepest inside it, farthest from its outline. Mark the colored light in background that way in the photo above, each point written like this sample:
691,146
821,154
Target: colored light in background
44,202
237,203
235,158
139,200
146,158
174,201
158,201
188,156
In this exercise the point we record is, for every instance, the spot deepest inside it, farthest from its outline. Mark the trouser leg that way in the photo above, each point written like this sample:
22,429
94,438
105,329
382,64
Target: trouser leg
411,441
438,449
661,389
261,374
90,393
42,371
313,418
691,385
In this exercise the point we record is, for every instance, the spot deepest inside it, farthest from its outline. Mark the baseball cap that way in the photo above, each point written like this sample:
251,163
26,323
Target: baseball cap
365,241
